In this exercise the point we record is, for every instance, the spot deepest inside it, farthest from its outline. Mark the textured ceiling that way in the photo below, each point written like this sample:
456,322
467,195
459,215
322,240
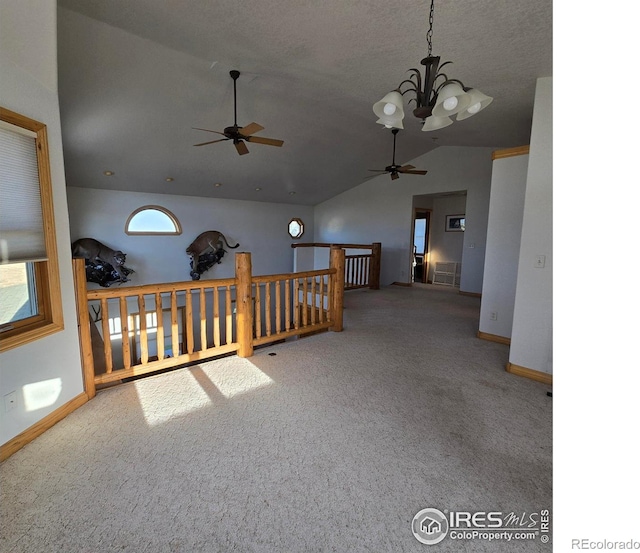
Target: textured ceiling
136,75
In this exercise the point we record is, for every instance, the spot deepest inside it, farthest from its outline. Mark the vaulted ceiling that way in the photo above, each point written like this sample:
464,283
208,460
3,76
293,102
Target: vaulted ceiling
135,77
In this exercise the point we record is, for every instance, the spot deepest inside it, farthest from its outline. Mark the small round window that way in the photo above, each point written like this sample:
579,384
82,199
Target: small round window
152,219
296,228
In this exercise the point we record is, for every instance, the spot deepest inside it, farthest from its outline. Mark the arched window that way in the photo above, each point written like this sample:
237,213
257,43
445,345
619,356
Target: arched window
152,219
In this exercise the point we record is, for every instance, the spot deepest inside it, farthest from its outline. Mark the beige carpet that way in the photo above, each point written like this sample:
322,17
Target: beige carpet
332,444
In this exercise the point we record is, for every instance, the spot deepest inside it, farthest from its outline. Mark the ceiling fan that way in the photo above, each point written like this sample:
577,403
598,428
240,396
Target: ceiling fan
394,169
240,134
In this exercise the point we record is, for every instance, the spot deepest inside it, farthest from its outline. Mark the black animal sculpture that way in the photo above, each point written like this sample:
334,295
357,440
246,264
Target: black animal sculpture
105,274
103,265
205,262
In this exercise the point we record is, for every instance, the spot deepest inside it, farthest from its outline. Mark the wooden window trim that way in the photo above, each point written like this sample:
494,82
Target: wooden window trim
47,275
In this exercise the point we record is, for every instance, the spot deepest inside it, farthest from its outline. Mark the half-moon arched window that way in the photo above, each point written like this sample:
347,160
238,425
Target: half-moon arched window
152,219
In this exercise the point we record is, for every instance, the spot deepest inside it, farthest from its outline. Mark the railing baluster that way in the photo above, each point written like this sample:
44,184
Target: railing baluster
352,278
106,335
159,327
321,294
124,324
329,298
142,317
305,301
278,308
287,305
296,305
216,317
175,338
229,325
267,308
257,311
189,320
313,300
203,320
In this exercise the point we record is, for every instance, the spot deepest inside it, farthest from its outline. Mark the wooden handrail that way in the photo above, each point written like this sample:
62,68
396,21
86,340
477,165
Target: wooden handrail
159,288
330,245
284,276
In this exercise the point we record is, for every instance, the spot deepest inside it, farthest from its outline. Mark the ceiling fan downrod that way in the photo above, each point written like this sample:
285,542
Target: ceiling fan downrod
234,75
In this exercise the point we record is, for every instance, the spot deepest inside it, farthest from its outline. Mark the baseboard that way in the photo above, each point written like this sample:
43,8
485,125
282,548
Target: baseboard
494,338
472,294
401,284
539,376
31,433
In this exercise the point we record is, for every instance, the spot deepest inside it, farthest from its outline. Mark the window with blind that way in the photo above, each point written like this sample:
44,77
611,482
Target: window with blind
30,299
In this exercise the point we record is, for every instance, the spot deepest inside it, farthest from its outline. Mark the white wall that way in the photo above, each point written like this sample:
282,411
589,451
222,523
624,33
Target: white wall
259,228
508,184
28,85
531,337
381,210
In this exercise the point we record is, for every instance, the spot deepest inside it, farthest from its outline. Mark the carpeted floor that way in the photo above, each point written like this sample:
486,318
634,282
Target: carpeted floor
328,443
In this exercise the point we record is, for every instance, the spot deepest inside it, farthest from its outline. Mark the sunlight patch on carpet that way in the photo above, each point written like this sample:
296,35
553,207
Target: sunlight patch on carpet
175,395
239,377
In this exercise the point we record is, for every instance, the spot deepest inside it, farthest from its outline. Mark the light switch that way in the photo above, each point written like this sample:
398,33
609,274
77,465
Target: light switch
539,264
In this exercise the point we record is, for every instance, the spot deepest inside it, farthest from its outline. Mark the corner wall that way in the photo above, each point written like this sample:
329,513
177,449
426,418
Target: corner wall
381,210
508,184
47,370
532,333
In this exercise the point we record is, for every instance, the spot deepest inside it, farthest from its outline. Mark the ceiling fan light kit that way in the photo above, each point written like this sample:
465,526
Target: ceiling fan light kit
437,97
240,135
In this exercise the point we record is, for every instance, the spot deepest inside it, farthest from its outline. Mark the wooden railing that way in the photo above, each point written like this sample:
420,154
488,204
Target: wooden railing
361,270
142,329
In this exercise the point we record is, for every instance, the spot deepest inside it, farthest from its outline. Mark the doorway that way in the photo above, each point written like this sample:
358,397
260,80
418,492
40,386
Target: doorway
420,260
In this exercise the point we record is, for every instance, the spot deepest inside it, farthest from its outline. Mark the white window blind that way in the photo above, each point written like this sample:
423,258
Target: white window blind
21,226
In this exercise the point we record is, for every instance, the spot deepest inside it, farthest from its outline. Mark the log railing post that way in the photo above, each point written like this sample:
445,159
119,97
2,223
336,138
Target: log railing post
244,307
336,261
374,267
84,327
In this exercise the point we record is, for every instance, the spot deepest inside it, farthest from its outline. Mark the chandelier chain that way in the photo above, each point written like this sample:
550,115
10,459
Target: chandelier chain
430,31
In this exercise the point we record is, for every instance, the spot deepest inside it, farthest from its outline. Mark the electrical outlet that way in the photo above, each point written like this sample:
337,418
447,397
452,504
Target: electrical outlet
493,316
10,401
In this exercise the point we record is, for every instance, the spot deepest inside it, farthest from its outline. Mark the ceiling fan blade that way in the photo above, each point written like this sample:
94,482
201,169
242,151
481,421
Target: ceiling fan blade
405,167
251,128
241,147
207,130
211,142
394,176
416,172
267,141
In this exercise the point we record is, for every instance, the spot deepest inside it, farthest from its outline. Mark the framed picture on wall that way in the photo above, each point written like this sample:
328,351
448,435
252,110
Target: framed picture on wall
455,223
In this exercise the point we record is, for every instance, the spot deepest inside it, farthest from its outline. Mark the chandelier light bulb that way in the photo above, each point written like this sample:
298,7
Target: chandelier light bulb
450,103
389,108
475,108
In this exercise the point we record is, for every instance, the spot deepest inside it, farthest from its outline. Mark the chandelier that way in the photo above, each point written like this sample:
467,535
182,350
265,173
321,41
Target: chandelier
437,97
